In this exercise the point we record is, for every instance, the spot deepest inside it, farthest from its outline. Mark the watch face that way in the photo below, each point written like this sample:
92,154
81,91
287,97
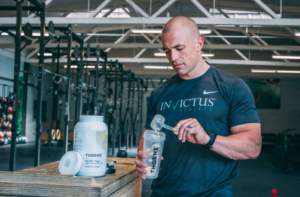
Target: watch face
208,132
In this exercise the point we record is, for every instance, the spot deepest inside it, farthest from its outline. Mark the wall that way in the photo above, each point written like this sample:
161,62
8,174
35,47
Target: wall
288,116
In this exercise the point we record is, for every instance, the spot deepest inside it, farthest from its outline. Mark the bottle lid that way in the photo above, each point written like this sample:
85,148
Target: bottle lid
91,118
70,163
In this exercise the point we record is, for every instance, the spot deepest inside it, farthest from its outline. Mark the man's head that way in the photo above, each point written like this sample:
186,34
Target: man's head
182,44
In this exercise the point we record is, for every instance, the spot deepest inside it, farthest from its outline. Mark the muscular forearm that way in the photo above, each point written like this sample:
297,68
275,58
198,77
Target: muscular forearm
243,143
239,146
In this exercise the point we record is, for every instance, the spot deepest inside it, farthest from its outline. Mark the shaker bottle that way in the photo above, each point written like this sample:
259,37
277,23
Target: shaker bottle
153,147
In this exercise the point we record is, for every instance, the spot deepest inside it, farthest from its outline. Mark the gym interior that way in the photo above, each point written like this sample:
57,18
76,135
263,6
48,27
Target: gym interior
62,60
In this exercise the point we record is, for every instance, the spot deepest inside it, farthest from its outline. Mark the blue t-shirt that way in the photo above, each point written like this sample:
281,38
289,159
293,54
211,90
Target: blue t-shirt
219,101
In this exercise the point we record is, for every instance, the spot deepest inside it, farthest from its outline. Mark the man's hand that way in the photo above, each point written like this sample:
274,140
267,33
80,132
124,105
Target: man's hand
140,166
192,131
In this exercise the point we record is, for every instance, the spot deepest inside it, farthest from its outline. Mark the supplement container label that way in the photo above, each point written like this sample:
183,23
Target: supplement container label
92,146
154,159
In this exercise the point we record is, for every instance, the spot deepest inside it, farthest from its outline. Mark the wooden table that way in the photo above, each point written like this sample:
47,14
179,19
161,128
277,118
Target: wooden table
45,180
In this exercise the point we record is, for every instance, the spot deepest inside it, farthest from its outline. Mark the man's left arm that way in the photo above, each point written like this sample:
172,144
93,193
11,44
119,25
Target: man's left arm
244,143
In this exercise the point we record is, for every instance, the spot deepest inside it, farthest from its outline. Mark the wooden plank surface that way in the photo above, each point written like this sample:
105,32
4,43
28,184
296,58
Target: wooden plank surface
47,181
134,188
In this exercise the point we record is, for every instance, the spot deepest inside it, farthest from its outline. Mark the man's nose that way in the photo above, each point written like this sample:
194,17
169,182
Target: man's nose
174,55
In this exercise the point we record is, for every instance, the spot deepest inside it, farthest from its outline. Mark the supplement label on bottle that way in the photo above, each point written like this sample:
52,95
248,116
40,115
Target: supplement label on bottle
152,155
92,146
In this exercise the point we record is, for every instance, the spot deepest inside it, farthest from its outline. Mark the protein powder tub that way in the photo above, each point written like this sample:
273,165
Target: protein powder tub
91,143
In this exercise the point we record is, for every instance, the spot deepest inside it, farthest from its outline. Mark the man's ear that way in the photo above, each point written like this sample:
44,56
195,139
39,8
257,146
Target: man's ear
200,43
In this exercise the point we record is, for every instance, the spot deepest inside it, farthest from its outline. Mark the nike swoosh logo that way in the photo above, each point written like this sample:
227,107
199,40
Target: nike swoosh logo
210,92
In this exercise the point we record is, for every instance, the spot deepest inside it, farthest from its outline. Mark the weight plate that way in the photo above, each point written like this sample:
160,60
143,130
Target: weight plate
28,34
51,30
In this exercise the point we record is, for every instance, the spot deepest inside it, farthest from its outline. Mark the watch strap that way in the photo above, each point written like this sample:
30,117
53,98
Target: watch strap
212,139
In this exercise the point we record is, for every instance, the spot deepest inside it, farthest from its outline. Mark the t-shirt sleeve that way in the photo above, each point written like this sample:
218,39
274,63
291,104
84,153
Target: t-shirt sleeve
150,111
242,105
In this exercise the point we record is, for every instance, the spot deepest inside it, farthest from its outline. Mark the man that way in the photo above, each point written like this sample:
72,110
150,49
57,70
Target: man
214,115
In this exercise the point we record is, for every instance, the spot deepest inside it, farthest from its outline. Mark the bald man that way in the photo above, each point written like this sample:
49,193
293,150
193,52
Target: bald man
214,118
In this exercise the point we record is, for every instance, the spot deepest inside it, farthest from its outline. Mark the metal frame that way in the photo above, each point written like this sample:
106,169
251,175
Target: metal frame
99,53
25,93
144,19
70,35
38,9
158,45
41,70
158,21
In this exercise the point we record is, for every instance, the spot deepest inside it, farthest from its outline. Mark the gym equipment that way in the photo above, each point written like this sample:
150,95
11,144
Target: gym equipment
6,141
282,158
17,140
57,79
76,53
122,153
10,100
53,134
1,135
5,124
88,50
51,30
2,100
110,168
28,34
2,141
39,10
23,140
9,117
58,135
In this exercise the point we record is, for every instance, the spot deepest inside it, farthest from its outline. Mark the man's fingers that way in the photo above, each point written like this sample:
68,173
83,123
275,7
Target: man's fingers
141,170
162,158
184,135
141,155
140,164
141,176
180,123
184,127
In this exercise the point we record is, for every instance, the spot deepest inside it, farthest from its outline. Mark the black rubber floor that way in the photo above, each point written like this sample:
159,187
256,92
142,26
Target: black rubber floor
257,177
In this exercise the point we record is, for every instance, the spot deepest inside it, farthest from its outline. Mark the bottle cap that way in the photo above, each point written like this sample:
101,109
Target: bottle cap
70,163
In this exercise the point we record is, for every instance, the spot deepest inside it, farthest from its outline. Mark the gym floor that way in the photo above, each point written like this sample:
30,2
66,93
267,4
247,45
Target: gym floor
257,177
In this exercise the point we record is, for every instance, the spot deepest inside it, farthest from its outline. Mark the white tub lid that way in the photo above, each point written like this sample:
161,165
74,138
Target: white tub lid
70,163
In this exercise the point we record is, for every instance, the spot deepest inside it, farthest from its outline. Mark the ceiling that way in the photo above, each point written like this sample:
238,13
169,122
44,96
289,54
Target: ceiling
244,33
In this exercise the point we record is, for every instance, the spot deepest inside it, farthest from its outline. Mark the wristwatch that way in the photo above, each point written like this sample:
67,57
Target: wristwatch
211,141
